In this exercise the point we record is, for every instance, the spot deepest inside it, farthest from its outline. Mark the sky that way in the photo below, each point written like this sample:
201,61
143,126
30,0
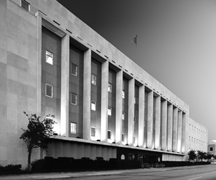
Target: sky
176,44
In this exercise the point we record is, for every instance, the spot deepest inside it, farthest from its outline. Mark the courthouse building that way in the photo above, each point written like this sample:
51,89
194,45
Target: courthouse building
104,104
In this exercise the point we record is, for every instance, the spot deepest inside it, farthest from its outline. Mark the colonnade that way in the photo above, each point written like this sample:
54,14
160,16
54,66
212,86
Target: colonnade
163,122
169,121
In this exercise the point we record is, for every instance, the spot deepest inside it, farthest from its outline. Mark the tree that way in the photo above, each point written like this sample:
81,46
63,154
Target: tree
37,133
201,155
192,155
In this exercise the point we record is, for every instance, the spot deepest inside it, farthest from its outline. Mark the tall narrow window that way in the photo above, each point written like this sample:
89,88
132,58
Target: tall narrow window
109,87
73,98
122,137
109,134
123,94
49,90
109,111
94,79
25,5
49,57
93,131
73,128
123,116
93,106
73,69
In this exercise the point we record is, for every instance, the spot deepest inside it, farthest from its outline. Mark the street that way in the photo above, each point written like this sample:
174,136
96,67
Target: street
184,173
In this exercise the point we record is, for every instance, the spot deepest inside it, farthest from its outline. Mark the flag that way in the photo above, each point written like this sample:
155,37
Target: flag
134,40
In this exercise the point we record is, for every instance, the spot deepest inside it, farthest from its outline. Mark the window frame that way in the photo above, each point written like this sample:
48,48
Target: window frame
73,128
109,134
123,116
93,102
93,128
72,64
46,84
94,79
27,3
51,55
110,87
122,137
123,94
109,111
76,98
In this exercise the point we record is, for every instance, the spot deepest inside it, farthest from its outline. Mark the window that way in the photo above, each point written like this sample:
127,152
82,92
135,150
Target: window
109,134
211,148
73,128
25,5
49,57
74,69
49,90
73,98
92,131
135,100
122,137
123,116
94,79
93,106
123,94
109,111
109,87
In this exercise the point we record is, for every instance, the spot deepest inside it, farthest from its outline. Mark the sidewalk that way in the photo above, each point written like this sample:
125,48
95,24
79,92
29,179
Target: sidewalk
67,175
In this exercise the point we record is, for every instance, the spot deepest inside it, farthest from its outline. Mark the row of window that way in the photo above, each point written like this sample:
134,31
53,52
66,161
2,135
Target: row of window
196,129
74,99
74,130
195,140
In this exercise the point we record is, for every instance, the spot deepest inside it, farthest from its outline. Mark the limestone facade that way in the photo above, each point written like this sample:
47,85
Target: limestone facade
105,105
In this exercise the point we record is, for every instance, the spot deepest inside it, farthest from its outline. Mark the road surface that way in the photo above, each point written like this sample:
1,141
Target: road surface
207,172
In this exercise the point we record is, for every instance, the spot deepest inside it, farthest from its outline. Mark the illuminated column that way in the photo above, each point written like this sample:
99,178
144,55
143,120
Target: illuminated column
65,60
131,95
104,100
169,127
175,117
164,125
141,115
179,131
184,119
39,49
118,125
150,119
87,95
157,122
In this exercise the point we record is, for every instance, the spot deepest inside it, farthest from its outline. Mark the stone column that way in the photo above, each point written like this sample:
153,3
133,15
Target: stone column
118,125
39,66
157,121
150,120
104,100
65,72
87,95
164,125
184,119
141,115
131,94
169,127
179,131
175,117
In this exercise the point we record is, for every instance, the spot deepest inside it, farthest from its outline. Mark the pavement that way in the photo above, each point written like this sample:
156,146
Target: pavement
67,175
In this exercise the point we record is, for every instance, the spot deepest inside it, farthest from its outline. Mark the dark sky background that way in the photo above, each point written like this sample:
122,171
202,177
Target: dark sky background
176,44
